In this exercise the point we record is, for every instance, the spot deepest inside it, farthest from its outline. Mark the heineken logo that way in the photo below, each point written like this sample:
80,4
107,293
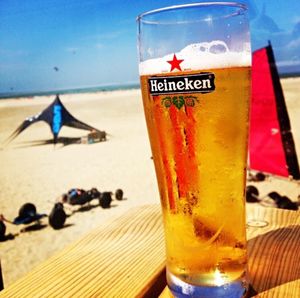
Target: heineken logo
194,83
179,101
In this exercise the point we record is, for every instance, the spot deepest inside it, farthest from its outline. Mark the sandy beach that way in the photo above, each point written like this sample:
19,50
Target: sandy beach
32,171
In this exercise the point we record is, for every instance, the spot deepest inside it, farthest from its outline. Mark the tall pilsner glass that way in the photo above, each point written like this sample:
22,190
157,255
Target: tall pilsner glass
194,63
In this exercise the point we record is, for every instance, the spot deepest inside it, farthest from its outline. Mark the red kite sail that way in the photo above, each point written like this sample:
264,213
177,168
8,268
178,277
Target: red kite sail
272,148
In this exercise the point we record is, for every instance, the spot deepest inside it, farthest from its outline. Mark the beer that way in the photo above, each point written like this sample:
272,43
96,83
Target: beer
199,146
195,79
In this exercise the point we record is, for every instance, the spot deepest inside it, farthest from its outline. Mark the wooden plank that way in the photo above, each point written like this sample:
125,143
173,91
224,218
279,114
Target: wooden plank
123,258
126,258
273,254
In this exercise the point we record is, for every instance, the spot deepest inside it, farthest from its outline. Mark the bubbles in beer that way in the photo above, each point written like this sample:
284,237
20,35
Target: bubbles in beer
205,55
187,209
192,200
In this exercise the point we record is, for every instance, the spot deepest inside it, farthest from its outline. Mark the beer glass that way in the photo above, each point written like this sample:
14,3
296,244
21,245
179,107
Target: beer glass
194,65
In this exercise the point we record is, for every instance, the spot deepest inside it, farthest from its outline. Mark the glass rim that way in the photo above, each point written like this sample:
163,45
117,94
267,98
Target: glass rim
141,17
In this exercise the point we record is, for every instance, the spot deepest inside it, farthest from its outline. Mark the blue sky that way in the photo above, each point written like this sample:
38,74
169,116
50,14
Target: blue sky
57,44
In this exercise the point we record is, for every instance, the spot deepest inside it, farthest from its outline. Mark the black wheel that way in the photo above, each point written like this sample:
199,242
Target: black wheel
94,193
2,229
105,200
274,195
119,194
27,209
57,216
252,194
260,176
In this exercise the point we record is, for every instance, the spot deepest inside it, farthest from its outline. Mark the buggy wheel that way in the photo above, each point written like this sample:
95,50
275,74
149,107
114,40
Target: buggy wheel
252,194
105,200
57,216
2,230
27,209
119,194
260,176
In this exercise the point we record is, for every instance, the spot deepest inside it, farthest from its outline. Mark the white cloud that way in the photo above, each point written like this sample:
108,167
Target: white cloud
295,43
288,63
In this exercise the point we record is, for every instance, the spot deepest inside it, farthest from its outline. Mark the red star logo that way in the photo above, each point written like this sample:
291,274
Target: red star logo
175,63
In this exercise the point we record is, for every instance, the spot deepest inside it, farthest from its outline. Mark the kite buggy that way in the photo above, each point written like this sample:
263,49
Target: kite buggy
57,217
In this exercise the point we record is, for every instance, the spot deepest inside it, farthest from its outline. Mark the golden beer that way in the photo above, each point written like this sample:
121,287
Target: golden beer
199,145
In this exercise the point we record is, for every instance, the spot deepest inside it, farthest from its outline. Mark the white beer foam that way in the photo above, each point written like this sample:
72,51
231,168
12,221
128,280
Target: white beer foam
199,56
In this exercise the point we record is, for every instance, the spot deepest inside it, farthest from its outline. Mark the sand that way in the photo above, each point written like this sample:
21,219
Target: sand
40,173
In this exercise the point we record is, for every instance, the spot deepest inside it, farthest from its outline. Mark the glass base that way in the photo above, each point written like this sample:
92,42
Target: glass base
181,289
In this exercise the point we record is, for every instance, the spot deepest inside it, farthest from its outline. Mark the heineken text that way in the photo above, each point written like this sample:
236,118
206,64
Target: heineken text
196,83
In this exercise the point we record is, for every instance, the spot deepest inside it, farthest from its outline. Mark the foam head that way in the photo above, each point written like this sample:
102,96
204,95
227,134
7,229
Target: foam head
199,56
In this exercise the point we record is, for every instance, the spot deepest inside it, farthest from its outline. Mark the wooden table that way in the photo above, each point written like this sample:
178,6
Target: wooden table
125,258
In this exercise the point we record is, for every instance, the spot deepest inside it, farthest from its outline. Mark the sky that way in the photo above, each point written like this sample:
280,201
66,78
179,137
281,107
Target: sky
64,44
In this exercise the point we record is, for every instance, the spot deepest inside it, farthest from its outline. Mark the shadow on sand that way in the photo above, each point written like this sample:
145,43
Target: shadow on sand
66,226
85,208
34,227
8,237
89,207
64,141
